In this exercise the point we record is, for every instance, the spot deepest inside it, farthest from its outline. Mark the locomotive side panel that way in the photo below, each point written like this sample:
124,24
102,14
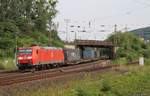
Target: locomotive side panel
34,56
58,56
26,57
50,56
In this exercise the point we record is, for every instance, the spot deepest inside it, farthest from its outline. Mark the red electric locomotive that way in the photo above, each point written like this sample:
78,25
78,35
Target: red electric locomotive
37,56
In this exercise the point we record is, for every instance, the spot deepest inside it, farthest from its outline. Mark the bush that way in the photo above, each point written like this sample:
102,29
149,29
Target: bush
80,92
7,64
8,31
10,35
147,53
121,52
147,61
120,61
130,46
105,86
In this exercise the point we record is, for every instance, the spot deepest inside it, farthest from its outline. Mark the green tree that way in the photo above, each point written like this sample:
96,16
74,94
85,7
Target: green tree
27,21
36,13
129,45
8,33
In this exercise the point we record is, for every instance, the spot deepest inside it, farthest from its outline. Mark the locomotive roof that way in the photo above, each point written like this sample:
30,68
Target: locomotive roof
52,48
41,47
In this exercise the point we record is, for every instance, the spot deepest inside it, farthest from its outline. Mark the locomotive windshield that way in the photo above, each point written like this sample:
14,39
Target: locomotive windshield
25,51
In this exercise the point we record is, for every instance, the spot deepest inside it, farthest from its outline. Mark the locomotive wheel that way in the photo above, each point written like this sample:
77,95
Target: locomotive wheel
21,68
33,69
56,65
39,67
48,66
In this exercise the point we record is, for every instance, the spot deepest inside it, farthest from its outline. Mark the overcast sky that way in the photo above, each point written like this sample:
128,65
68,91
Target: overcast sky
125,13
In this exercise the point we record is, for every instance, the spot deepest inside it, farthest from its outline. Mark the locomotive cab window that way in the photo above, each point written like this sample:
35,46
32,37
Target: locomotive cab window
25,51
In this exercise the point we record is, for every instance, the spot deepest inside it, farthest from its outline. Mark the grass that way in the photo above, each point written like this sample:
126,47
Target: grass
134,82
120,61
147,61
7,64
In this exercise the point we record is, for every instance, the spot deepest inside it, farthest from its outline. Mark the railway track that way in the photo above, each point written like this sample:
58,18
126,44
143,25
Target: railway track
9,79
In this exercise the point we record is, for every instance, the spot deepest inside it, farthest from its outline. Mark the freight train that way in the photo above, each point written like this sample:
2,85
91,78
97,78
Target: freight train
37,57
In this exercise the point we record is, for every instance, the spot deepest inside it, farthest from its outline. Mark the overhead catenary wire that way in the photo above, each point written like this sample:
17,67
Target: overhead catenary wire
142,3
90,23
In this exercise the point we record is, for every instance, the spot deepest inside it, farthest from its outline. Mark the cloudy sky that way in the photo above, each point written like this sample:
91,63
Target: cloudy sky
102,15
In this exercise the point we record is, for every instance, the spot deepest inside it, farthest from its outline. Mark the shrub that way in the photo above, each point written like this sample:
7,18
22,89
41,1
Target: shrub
105,86
147,61
7,64
120,61
80,92
130,46
147,53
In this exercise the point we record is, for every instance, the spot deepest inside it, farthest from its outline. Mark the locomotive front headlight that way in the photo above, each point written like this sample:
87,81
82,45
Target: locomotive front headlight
29,57
20,58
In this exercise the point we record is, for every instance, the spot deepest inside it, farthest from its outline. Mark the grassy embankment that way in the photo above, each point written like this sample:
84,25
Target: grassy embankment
135,81
7,64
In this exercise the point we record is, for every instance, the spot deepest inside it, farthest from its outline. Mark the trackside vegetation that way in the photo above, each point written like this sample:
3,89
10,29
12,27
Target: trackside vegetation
30,22
134,81
26,23
129,47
